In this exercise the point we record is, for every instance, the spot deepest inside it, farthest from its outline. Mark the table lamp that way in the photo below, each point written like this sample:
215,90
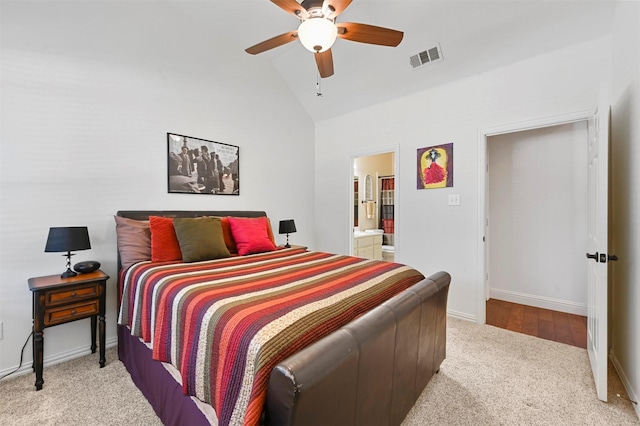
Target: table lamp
287,227
71,238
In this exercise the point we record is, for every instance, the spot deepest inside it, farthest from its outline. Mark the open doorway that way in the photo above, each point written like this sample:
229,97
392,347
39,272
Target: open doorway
536,204
597,177
483,190
374,209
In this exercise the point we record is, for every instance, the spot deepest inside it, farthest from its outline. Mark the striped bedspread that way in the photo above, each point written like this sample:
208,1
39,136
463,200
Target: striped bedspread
224,324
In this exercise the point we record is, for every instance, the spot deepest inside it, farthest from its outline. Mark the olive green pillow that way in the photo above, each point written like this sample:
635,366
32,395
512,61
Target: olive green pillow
200,238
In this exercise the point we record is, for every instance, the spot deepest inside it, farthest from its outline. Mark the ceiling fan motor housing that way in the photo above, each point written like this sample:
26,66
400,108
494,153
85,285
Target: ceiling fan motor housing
316,9
312,4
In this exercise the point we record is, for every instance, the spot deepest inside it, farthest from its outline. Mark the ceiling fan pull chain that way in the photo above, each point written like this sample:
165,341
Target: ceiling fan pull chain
318,88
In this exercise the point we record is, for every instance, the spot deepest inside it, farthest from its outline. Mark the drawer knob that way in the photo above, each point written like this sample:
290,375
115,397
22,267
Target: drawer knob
73,294
73,312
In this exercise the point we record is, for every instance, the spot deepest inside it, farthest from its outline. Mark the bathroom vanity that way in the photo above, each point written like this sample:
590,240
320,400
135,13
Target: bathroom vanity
368,244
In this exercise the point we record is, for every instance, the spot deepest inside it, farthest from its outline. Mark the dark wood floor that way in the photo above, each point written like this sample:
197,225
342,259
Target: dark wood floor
551,325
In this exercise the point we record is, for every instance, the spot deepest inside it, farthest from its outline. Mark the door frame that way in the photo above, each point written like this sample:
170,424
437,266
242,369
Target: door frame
483,134
396,172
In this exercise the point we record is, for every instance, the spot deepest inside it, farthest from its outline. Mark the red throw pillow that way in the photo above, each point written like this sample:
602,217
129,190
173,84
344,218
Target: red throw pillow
165,246
251,235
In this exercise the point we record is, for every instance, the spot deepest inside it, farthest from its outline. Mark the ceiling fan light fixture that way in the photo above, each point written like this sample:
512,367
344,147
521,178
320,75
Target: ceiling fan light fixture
317,34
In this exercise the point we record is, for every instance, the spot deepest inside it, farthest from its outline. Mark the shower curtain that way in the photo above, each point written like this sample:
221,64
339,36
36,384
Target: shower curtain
355,201
387,188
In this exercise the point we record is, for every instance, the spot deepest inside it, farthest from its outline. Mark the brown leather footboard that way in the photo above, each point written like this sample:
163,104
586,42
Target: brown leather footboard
369,372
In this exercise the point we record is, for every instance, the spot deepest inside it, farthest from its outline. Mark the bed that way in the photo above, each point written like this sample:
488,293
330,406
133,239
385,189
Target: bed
356,340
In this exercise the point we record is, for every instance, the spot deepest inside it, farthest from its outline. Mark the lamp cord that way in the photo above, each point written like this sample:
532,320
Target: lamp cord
21,355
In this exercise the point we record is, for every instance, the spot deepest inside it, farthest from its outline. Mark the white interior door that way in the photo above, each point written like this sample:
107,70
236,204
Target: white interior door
597,246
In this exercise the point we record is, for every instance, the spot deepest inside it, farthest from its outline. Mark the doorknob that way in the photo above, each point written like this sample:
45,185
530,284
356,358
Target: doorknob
593,256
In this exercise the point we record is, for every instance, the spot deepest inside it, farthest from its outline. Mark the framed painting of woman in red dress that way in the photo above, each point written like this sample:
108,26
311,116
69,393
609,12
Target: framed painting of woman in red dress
435,166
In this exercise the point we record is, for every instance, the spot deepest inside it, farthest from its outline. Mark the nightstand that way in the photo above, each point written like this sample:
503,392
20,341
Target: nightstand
58,301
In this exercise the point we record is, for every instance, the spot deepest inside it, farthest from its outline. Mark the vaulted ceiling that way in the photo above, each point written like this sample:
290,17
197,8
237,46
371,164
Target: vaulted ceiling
474,36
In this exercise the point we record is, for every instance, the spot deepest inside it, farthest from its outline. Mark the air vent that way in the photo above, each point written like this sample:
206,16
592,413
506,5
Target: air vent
425,57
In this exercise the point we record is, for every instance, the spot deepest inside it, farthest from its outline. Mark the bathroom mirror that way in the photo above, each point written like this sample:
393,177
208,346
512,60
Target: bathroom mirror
368,188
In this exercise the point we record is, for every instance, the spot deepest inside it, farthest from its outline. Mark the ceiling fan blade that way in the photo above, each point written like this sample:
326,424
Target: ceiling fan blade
291,6
272,42
371,34
324,61
336,6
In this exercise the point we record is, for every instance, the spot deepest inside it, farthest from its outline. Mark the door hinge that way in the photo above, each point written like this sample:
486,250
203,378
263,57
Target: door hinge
486,276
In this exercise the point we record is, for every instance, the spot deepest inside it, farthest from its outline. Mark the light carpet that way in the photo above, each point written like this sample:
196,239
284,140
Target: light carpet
490,377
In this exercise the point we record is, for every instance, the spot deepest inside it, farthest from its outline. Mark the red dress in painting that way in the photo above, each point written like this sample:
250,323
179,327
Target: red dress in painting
434,173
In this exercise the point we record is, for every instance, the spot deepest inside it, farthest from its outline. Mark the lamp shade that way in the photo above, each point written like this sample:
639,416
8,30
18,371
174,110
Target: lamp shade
287,226
72,238
317,34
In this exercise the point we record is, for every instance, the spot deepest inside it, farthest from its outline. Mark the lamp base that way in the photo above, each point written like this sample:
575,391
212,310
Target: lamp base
68,274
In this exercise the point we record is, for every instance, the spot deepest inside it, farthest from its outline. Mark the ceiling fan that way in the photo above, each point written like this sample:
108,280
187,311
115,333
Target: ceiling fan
318,31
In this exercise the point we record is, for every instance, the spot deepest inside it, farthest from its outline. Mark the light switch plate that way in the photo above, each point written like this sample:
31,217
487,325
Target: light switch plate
454,199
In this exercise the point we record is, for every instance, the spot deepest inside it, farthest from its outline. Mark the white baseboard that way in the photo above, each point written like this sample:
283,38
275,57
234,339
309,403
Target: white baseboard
539,301
462,315
625,382
27,365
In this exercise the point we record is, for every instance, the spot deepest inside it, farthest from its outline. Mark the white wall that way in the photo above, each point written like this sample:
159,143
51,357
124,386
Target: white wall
537,210
625,157
84,123
431,235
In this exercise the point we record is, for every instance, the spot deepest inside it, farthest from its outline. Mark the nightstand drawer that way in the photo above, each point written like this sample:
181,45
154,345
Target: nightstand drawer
71,312
57,297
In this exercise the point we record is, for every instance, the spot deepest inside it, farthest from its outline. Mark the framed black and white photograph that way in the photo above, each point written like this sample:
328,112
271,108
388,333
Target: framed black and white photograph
199,166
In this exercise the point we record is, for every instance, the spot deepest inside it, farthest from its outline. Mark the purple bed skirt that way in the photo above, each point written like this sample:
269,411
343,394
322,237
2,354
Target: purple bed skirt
156,383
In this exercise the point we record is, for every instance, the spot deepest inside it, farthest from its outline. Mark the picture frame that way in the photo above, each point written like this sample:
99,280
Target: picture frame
435,166
200,166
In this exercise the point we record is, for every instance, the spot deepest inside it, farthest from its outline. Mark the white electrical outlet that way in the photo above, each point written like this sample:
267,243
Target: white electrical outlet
454,199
